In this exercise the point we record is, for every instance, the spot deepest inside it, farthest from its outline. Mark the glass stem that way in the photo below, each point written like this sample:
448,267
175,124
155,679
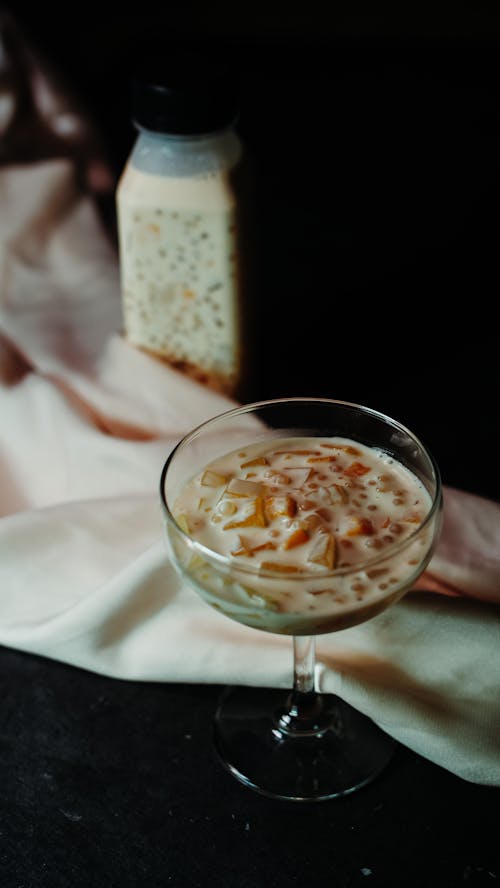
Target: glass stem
303,716
304,661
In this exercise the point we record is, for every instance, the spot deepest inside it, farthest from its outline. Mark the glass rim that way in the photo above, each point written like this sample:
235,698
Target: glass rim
228,561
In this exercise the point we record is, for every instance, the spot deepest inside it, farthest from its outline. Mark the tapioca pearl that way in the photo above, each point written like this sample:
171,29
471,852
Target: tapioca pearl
395,528
372,507
358,587
383,586
385,477
398,501
373,543
393,580
387,538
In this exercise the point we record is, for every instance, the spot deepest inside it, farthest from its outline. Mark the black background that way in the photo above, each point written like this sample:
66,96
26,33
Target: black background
375,142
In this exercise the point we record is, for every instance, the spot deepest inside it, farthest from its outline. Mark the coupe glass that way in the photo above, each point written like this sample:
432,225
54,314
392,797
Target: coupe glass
297,744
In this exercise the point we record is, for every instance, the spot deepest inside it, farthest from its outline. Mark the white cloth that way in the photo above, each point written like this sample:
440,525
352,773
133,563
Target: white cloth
86,423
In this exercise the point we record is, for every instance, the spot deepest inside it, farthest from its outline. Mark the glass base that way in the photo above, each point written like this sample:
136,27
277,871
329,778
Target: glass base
333,752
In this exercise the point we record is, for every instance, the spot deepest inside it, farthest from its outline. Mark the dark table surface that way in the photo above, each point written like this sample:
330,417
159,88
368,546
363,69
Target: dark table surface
378,194
115,784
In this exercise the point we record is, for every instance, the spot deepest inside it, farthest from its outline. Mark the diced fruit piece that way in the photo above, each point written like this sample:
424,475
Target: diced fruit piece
246,548
297,477
342,494
323,551
356,470
183,522
212,479
280,567
360,526
240,487
260,598
297,538
279,506
258,461
327,495
412,518
322,459
311,522
278,478
254,516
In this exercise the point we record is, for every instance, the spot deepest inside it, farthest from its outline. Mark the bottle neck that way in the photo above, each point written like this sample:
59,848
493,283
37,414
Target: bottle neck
163,154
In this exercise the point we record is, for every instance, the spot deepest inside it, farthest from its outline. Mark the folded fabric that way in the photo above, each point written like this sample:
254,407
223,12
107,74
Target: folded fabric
86,423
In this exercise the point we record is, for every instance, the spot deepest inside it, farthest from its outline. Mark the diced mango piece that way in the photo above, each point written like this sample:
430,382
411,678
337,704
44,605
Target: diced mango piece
279,506
311,522
254,517
412,518
341,492
297,476
323,551
258,461
280,567
246,548
241,487
360,526
183,523
297,538
213,479
356,470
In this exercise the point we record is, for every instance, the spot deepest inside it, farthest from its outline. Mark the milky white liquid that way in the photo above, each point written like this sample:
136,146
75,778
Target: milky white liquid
286,514
179,273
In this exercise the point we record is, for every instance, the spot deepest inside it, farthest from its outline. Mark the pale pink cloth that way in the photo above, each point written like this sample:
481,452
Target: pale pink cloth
86,423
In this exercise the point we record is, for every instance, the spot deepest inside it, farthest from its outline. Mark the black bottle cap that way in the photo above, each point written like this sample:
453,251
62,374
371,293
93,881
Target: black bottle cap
184,93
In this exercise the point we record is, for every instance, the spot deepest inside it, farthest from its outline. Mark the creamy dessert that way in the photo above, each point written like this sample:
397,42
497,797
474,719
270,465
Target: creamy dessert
316,533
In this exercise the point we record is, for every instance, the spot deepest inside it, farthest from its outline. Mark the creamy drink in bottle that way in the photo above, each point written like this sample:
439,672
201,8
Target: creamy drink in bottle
179,209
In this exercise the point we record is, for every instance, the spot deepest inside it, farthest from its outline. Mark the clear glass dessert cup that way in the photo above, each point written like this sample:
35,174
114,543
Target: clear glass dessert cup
299,744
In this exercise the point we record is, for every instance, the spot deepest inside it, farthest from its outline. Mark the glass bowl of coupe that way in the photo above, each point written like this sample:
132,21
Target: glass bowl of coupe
300,516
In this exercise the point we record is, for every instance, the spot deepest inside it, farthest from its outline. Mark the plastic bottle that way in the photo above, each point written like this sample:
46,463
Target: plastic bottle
181,223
